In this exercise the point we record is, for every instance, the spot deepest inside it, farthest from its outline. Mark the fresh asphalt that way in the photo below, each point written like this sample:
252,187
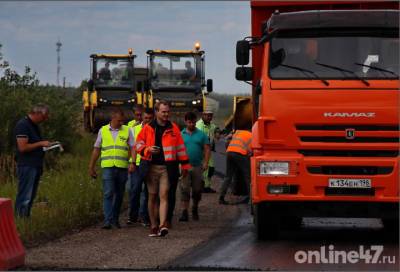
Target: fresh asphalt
236,247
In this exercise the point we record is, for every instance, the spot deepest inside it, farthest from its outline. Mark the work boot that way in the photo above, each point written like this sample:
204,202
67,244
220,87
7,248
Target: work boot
208,190
131,220
106,226
195,214
117,225
222,201
184,217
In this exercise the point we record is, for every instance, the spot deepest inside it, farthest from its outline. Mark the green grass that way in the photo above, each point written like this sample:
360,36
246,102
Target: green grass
67,197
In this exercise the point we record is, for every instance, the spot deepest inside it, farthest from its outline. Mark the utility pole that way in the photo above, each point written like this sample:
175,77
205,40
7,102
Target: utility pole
58,44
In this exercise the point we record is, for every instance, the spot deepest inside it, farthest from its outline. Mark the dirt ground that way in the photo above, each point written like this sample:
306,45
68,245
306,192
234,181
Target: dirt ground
130,247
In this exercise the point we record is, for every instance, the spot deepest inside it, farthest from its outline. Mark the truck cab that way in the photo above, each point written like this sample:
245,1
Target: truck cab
326,130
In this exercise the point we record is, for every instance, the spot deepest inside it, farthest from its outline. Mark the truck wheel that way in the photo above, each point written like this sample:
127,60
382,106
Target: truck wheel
391,224
291,222
266,222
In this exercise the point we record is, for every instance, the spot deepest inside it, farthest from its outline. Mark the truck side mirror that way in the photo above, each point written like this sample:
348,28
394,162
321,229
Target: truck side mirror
244,73
209,85
242,52
90,85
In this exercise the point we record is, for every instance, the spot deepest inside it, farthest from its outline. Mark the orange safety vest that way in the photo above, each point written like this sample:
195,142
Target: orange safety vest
172,144
240,142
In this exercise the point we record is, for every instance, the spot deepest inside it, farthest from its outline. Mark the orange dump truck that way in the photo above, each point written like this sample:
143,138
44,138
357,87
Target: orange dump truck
325,78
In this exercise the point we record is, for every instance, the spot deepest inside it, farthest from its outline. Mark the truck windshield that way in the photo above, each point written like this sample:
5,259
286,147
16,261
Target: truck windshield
114,73
175,71
335,55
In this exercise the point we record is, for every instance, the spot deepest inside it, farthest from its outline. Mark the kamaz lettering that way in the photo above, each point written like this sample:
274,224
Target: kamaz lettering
350,114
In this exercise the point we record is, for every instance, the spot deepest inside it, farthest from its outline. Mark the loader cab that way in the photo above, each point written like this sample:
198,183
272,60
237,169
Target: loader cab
176,70
113,82
113,71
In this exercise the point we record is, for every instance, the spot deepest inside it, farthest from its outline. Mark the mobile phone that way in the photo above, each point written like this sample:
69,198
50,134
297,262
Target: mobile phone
157,147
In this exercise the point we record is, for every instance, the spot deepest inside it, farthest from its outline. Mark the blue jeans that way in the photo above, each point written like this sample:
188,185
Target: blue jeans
138,195
28,183
114,180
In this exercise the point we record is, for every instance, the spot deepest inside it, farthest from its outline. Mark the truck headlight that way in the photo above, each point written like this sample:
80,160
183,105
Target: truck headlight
274,168
194,102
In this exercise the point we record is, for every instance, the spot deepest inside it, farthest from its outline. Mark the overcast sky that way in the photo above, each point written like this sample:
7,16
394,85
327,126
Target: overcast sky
29,32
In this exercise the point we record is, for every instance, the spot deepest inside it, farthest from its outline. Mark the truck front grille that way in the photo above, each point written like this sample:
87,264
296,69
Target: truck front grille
348,133
331,139
349,153
344,127
350,170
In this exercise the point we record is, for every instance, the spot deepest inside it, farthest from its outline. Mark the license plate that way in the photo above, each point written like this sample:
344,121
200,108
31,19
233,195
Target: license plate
349,183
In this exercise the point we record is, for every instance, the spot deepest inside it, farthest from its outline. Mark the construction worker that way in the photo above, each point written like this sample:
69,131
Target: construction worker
237,161
198,149
160,142
29,157
138,196
138,115
115,142
208,128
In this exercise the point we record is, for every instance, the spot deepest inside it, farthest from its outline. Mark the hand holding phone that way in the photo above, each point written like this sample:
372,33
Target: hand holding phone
155,149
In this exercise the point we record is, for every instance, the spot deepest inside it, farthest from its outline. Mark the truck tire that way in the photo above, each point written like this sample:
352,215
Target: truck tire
266,222
391,224
291,222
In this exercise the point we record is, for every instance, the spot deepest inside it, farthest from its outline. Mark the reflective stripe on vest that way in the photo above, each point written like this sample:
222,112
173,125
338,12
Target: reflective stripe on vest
114,153
240,143
136,131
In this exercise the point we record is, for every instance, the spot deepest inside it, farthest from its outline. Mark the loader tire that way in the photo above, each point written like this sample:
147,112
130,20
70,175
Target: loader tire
86,121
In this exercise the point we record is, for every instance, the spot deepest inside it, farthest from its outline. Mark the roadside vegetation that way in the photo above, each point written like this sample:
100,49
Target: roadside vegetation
67,198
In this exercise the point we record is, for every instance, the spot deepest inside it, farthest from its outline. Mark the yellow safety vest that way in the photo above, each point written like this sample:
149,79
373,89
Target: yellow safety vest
133,123
114,153
136,131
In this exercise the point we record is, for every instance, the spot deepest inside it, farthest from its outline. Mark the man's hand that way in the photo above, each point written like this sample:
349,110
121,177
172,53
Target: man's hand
132,168
154,149
185,172
204,167
44,143
92,173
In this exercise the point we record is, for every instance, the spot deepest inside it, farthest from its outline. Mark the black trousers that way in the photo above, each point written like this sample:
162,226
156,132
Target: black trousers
236,164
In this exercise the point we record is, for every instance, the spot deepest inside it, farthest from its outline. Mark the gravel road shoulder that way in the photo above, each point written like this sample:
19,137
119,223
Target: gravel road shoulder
130,247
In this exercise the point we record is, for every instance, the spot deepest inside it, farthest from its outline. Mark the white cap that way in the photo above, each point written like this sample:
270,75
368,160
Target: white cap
208,109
